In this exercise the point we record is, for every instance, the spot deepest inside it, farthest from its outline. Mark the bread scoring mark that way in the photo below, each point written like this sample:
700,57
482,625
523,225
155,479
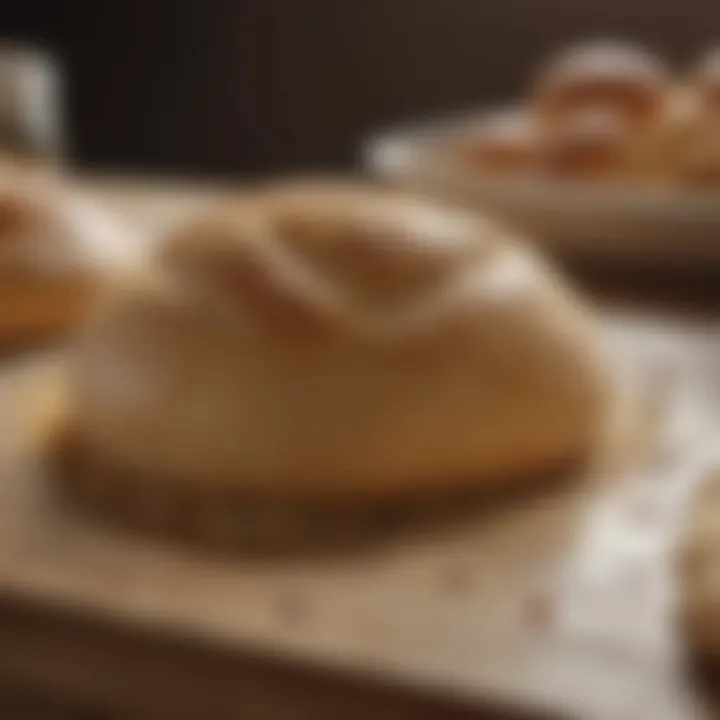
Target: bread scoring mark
31,233
239,261
283,292
321,265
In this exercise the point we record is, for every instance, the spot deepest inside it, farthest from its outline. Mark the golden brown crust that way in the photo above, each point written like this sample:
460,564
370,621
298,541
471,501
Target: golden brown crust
593,144
322,343
604,75
685,148
40,307
371,245
17,213
55,252
506,144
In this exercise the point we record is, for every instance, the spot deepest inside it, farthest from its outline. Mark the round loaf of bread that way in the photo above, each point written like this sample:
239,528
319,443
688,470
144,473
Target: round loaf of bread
602,75
327,342
685,148
594,144
56,251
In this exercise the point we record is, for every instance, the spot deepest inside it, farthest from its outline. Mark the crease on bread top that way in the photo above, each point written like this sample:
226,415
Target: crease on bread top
322,258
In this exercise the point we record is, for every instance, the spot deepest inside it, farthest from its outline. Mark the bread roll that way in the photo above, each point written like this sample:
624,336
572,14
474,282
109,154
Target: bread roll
698,165
55,251
504,144
325,343
602,75
595,144
685,149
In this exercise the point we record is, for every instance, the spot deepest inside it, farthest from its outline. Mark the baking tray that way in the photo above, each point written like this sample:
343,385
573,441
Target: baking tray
618,222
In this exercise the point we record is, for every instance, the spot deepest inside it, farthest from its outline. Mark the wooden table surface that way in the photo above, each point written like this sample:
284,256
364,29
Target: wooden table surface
454,621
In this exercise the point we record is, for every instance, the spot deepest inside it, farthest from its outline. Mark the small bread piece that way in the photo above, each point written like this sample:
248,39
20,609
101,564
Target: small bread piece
685,148
660,148
504,144
594,144
331,343
55,252
602,74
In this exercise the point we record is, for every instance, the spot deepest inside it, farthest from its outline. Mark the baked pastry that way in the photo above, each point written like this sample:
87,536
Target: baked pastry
693,143
684,149
504,144
55,251
698,165
595,143
326,345
605,75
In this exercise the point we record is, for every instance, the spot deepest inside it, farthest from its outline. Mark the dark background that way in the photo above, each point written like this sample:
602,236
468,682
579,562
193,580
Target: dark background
237,87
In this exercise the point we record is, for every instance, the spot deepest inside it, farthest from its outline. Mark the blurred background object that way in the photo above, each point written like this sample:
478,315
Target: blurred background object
31,115
244,87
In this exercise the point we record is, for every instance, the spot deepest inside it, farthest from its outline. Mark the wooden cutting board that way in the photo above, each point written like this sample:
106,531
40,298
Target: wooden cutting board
489,616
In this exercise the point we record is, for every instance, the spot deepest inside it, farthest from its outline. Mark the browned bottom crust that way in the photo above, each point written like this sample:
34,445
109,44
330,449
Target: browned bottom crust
34,306
235,521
